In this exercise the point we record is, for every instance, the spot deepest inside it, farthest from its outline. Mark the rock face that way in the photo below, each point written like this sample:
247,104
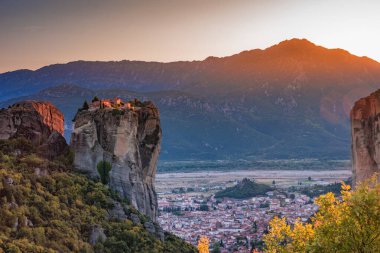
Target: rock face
129,139
40,122
365,131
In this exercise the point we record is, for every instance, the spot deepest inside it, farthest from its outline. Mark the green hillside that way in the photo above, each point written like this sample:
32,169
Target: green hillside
46,207
244,189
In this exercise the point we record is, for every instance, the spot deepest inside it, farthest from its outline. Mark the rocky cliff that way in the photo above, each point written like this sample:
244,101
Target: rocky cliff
40,122
127,136
365,131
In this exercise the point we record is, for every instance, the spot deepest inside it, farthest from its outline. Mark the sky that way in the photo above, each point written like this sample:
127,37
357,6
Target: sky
35,33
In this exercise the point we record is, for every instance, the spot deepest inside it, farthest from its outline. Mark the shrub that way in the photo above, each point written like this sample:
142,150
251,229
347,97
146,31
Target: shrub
117,112
104,169
349,224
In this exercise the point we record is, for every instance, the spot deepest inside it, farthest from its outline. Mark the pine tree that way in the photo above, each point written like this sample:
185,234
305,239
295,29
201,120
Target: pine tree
85,105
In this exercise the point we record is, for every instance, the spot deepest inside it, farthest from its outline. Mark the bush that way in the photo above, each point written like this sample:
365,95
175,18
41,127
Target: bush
349,224
104,169
117,112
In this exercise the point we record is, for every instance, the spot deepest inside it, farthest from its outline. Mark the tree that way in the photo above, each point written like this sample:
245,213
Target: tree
85,105
349,224
203,207
104,168
95,99
309,178
256,245
254,227
203,243
216,248
273,182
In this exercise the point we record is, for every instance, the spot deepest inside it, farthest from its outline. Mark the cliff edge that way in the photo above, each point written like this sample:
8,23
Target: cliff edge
365,132
39,122
119,143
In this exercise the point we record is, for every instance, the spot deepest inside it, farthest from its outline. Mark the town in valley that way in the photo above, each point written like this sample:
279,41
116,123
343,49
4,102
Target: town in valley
190,209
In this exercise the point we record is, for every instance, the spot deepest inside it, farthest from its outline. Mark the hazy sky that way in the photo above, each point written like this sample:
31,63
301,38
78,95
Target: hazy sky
35,33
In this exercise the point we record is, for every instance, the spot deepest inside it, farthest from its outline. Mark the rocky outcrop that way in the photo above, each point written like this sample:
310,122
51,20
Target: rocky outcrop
128,137
97,234
40,122
365,131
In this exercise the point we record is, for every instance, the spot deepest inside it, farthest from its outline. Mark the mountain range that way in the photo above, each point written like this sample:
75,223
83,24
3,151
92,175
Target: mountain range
291,100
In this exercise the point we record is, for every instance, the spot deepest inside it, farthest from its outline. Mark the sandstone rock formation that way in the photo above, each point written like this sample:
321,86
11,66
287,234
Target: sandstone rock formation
128,137
40,122
365,131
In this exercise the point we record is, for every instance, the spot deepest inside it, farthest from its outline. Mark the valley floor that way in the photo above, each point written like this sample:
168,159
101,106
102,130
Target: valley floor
188,207
210,180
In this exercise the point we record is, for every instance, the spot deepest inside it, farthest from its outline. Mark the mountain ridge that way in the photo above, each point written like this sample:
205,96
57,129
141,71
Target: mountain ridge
151,76
287,42
262,103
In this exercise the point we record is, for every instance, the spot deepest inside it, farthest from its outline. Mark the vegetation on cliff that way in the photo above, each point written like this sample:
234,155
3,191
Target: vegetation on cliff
46,207
244,189
347,224
104,168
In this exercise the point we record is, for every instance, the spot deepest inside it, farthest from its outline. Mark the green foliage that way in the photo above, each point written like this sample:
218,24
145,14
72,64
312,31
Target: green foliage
117,112
174,244
317,190
95,99
264,205
56,210
12,145
85,106
104,169
216,248
46,213
244,189
124,237
350,223
203,207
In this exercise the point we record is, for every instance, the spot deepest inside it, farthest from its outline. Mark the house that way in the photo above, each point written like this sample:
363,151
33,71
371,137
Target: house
110,103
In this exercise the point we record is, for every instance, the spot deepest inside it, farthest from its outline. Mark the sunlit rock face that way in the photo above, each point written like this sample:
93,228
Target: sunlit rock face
128,136
40,122
365,129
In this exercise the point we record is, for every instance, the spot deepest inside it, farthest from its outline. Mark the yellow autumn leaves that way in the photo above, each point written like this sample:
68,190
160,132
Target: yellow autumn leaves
203,243
350,223
282,238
